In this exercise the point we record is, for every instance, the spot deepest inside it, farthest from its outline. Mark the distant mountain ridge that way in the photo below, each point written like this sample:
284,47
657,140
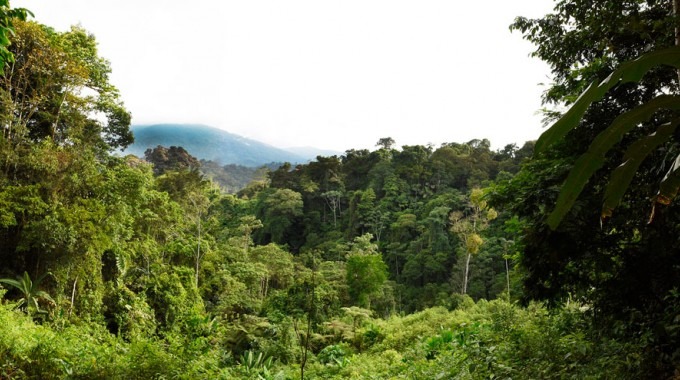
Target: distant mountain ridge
210,143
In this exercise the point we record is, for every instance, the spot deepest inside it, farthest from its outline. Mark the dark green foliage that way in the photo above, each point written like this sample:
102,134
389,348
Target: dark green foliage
173,158
233,178
625,269
402,197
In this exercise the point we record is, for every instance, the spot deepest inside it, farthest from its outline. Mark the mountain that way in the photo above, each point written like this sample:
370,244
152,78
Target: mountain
209,143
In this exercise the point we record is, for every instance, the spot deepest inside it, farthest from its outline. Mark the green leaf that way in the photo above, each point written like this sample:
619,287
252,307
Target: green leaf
569,120
3,39
631,71
588,163
11,282
635,155
44,295
670,184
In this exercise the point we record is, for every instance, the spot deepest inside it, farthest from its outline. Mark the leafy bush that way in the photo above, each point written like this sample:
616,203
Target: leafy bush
335,354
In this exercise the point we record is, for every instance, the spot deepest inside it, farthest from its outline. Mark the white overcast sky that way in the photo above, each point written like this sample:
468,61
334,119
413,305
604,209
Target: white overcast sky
330,74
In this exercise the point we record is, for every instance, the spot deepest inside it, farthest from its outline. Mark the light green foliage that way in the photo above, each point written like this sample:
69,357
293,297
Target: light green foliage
88,351
279,267
334,354
486,340
366,271
248,224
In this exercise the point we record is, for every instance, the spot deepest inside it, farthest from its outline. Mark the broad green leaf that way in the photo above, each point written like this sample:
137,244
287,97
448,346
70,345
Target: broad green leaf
44,295
635,155
669,186
631,71
10,282
588,163
569,120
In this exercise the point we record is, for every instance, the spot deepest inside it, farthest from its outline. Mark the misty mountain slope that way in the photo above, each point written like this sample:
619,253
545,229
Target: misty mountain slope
209,143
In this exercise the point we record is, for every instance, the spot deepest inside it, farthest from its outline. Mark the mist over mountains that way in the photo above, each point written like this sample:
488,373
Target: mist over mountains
217,145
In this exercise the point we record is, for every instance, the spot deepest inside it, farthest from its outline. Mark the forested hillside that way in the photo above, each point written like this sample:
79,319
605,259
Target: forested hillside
229,178
422,208
405,261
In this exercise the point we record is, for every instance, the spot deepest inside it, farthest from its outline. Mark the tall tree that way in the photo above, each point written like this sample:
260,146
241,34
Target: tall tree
61,198
469,227
366,271
281,209
58,87
385,143
173,158
624,268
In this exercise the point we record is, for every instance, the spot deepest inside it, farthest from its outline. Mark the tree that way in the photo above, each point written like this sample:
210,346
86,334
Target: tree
594,158
199,204
413,165
366,271
281,209
303,305
279,265
333,199
385,143
624,269
65,203
468,228
58,88
173,158
356,165
365,215
248,225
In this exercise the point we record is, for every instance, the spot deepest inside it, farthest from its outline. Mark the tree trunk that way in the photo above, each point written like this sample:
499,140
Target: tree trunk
467,270
507,277
198,249
676,11
73,296
335,217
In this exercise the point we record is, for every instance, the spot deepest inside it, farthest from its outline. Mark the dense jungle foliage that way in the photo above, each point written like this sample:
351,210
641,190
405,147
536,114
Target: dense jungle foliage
417,262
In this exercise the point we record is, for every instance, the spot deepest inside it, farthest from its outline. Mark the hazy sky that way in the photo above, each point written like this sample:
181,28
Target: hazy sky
330,74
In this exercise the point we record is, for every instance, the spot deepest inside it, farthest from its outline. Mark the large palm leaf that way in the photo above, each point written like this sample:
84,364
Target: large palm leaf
588,163
29,291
